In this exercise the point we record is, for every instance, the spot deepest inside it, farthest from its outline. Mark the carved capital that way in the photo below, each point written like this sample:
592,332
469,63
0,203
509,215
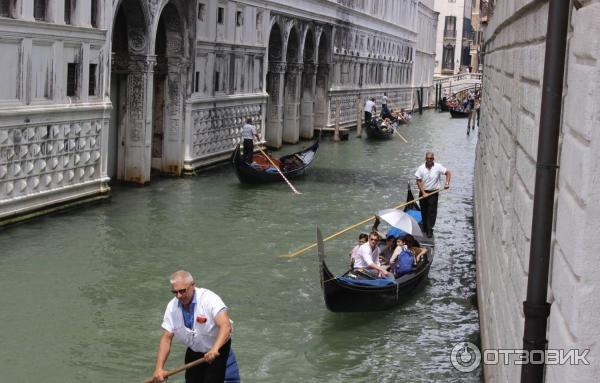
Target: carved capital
277,67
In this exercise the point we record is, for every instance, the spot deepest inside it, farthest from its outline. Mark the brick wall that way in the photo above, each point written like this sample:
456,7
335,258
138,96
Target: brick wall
505,177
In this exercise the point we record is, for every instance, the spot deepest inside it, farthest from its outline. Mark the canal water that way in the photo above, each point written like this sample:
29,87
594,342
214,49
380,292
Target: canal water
83,293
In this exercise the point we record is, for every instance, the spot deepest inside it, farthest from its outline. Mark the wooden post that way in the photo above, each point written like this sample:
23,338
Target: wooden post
437,103
336,134
358,117
421,101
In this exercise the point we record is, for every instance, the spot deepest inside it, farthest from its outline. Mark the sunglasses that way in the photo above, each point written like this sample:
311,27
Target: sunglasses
180,291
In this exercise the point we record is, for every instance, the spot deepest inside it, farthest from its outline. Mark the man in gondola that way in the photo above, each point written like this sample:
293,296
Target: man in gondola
249,133
429,180
199,319
368,258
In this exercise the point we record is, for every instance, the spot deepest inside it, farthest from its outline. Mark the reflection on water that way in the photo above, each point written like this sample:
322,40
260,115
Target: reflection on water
84,292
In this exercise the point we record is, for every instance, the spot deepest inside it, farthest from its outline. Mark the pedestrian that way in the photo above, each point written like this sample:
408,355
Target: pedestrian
249,133
369,110
472,113
199,319
384,100
429,180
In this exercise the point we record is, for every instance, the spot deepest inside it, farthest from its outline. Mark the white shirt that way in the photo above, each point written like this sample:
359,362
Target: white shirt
431,177
369,106
248,132
366,256
203,335
384,98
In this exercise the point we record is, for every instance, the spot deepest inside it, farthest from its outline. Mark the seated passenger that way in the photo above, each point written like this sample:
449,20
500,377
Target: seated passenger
386,113
368,258
413,245
362,239
400,245
386,252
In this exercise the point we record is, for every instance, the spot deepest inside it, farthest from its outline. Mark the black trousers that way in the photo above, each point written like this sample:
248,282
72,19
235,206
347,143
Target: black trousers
204,372
367,118
429,210
248,150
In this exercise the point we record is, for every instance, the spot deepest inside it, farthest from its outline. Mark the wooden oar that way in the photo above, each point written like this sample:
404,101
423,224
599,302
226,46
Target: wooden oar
278,170
179,369
296,253
398,133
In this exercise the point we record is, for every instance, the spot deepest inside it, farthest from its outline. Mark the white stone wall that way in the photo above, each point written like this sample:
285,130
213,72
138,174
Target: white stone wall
505,175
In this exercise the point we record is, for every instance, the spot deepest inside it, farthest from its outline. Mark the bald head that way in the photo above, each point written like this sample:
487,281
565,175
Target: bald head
182,276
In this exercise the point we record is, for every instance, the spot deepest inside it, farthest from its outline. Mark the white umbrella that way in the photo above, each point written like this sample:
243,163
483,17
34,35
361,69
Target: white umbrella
401,220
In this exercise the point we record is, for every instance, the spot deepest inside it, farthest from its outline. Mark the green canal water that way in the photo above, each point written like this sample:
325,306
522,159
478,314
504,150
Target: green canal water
83,293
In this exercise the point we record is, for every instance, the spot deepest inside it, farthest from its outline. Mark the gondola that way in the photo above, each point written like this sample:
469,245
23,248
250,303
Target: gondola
458,113
261,171
375,132
350,293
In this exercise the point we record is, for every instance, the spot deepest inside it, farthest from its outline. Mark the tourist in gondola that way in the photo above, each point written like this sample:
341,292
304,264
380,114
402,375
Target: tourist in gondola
429,177
386,252
199,319
386,113
368,258
362,239
249,133
384,100
419,253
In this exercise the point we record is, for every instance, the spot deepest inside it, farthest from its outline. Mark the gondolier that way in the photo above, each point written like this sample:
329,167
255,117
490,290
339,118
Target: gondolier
199,319
429,180
369,110
249,133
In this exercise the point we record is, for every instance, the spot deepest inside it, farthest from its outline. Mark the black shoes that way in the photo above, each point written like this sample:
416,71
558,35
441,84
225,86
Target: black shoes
429,233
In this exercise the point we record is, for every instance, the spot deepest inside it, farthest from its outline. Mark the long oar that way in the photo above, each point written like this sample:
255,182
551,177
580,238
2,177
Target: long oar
296,253
398,133
280,173
179,369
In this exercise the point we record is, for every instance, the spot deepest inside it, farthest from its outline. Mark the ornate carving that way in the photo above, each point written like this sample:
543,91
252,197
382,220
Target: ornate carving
218,129
46,157
137,40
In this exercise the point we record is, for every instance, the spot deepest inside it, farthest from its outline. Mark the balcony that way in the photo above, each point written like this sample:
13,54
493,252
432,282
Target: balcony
450,34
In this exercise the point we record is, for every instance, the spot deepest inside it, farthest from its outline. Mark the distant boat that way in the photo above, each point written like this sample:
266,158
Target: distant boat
261,170
458,113
350,293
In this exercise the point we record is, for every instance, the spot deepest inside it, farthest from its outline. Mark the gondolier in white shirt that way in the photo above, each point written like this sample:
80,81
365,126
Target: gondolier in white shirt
249,133
199,319
369,110
429,176
368,258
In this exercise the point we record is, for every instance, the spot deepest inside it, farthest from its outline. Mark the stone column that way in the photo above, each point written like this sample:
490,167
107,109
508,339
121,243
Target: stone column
291,117
274,115
172,150
322,97
137,139
309,79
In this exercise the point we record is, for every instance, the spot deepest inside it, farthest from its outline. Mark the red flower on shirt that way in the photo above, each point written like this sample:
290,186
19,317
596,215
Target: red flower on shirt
200,319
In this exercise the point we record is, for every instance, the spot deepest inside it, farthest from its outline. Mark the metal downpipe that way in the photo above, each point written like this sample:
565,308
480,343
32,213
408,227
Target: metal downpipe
535,308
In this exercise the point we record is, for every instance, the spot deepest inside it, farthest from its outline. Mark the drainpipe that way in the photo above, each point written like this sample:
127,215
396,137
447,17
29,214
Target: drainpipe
535,308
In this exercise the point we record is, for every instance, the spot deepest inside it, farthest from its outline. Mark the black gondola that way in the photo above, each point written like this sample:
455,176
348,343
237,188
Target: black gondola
458,113
292,165
375,131
347,294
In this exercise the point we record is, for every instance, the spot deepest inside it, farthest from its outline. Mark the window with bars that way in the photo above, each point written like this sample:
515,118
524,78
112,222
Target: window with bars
220,15
201,11
94,13
39,10
92,91
4,8
68,11
72,74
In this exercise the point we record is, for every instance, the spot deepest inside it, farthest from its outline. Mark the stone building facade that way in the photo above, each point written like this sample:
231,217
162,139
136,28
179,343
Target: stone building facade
454,36
505,177
100,90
